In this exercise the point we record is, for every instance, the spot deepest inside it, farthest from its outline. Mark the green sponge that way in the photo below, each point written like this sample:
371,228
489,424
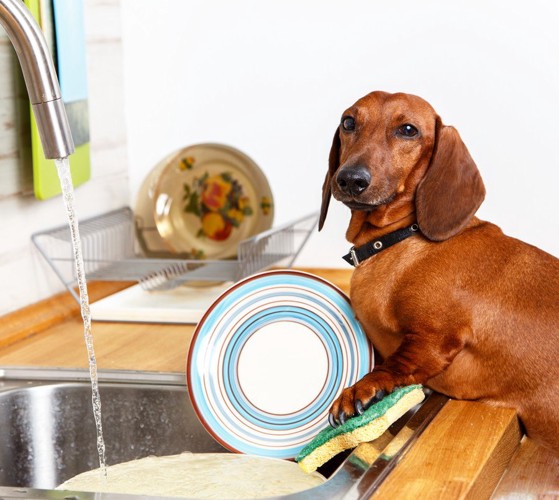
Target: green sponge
361,428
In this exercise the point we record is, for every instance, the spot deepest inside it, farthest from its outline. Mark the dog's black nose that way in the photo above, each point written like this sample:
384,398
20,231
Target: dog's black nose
353,180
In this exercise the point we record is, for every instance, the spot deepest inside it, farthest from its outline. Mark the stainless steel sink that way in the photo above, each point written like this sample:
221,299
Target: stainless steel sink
47,433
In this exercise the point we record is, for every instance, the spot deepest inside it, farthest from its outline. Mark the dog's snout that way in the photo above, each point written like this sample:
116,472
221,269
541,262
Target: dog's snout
353,180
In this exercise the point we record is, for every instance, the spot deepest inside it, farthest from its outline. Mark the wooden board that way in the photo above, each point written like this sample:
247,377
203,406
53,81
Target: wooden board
19,325
16,169
119,346
462,454
533,473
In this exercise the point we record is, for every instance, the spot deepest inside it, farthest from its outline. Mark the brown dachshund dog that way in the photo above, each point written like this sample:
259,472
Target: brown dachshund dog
457,306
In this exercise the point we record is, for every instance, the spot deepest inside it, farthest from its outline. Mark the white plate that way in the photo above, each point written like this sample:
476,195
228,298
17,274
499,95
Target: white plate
269,358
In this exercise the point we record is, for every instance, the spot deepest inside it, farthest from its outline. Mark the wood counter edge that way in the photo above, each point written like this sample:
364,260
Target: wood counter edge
35,318
463,453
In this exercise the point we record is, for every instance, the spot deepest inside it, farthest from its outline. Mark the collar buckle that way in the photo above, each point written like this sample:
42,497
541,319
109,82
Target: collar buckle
373,247
354,258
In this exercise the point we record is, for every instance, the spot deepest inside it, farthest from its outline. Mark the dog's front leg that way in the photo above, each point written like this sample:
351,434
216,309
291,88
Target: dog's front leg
419,358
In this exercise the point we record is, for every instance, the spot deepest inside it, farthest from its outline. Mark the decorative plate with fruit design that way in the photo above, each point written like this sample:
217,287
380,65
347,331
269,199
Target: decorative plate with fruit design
210,197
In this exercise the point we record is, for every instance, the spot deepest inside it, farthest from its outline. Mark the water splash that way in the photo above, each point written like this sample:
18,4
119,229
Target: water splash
63,167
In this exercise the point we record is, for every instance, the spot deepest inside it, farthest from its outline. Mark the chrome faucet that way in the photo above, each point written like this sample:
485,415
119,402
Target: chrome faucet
40,78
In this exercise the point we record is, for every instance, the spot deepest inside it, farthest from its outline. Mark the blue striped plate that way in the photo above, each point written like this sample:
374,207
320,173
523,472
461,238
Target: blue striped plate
268,359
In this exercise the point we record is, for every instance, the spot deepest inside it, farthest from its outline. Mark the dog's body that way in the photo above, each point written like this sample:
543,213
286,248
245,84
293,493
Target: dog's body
459,306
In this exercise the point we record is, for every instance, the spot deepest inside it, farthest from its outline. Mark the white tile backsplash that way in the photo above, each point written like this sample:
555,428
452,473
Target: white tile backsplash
24,275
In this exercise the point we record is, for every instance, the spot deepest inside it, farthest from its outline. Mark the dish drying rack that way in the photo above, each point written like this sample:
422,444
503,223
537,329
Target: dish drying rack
114,250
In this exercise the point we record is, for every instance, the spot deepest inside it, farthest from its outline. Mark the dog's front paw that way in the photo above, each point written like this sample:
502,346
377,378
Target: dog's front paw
357,398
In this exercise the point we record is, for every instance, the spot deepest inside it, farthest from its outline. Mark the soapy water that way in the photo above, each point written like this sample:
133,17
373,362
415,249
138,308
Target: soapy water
63,167
210,476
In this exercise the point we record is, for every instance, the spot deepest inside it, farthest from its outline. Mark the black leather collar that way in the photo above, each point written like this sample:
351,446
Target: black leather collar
359,254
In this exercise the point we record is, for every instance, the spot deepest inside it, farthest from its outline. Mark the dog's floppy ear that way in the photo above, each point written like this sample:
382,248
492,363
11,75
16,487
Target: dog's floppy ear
333,164
451,191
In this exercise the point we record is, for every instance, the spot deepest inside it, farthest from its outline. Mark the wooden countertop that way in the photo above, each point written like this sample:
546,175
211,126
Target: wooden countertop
465,452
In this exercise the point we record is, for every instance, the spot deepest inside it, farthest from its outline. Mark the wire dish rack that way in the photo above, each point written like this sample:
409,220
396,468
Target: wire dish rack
114,250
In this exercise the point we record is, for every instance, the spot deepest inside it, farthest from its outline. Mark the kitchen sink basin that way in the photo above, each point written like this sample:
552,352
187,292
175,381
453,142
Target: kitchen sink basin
47,432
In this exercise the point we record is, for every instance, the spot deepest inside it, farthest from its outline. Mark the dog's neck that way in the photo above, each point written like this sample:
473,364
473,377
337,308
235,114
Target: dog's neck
367,226
400,212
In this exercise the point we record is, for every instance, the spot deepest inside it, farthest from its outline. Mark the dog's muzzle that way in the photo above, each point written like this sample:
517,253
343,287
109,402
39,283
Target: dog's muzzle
353,180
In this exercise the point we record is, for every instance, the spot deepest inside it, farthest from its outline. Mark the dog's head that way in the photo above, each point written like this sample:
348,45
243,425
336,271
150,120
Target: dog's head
392,152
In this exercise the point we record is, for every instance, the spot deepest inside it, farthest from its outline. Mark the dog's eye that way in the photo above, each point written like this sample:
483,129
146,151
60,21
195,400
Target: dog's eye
348,123
407,130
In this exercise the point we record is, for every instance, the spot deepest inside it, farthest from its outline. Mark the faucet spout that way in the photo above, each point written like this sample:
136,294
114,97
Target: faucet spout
40,78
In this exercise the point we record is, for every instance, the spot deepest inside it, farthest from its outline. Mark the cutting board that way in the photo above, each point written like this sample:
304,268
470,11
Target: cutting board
62,21
185,304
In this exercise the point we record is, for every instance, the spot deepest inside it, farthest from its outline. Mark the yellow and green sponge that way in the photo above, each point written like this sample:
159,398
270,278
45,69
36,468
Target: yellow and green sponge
362,428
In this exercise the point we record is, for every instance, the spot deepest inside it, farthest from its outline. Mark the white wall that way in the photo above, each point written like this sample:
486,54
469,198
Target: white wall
272,78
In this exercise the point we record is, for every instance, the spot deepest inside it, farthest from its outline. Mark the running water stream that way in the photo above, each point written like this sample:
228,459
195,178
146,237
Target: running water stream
63,167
